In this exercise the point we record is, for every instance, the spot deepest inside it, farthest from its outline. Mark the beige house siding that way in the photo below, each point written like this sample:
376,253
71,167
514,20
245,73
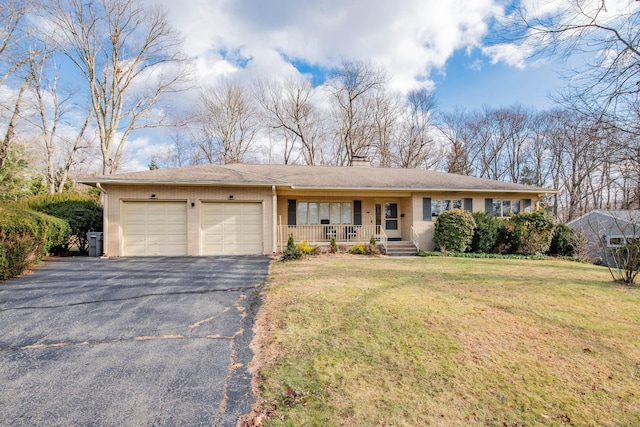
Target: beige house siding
425,229
409,205
117,195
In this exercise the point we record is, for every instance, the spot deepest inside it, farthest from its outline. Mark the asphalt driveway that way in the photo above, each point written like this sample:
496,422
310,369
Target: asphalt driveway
129,342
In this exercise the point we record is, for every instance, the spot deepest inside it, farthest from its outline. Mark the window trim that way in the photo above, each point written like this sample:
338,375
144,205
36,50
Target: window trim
619,236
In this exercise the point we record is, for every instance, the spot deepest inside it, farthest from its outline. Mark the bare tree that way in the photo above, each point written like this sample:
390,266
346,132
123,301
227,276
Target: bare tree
12,54
385,127
50,110
292,116
538,168
351,88
182,151
416,145
228,122
456,131
10,133
128,56
578,152
485,151
607,86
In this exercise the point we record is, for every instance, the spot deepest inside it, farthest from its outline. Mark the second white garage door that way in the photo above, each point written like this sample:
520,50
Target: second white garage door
232,229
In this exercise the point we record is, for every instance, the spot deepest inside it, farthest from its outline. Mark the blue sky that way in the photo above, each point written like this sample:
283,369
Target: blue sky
442,46
454,48
470,82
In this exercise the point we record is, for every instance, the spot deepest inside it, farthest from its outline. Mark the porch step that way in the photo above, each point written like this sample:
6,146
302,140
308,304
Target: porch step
401,248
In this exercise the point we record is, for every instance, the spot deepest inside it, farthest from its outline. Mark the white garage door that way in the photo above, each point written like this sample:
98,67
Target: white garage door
232,229
155,228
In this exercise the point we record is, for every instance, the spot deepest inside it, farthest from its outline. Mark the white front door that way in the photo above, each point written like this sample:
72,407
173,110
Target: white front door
388,217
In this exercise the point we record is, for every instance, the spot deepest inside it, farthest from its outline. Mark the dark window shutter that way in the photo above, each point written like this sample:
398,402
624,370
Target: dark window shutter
527,204
468,205
488,206
357,212
426,208
291,212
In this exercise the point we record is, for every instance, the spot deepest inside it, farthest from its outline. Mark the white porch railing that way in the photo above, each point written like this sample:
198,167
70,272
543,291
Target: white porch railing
382,238
317,234
415,239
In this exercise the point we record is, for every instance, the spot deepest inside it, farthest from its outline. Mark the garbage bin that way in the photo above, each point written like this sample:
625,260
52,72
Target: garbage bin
95,243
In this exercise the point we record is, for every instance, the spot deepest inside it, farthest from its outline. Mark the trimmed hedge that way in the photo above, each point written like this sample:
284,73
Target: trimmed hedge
537,257
25,237
82,213
526,233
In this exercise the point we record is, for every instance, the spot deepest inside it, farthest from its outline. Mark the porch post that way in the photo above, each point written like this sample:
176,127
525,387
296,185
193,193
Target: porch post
274,214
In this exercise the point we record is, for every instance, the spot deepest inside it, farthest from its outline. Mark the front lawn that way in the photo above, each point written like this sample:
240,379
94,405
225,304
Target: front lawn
359,341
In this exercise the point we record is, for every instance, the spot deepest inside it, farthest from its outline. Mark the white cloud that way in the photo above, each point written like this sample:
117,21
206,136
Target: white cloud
139,152
408,38
511,54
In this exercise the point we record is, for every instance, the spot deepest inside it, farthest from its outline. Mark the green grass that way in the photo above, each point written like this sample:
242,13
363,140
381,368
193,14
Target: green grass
448,341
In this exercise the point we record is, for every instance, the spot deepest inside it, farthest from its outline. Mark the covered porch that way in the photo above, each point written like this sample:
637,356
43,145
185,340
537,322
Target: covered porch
322,234
318,217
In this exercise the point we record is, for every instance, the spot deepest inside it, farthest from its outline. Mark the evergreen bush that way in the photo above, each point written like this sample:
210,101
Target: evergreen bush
25,237
333,246
564,241
82,213
454,231
485,236
292,252
533,232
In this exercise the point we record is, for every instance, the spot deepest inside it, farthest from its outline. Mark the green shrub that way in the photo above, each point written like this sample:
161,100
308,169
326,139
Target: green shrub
358,249
25,237
533,232
292,252
82,213
480,255
333,246
307,249
564,241
364,249
485,236
454,231
508,238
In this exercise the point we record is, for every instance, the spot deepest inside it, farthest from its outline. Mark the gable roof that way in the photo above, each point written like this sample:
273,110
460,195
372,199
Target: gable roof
315,177
626,216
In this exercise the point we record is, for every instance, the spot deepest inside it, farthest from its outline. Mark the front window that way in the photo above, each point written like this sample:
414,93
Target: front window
303,213
313,213
505,208
439,206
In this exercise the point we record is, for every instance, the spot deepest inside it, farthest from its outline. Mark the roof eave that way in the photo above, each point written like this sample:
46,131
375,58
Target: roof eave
94,182
199,183
540,191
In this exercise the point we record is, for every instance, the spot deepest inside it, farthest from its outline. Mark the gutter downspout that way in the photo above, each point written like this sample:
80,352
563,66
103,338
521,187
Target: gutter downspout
274,214
105,218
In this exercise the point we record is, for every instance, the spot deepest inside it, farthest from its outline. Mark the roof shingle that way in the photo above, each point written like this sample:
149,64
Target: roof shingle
315,177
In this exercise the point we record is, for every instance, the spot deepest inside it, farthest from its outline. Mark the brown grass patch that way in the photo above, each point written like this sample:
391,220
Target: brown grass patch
445,341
